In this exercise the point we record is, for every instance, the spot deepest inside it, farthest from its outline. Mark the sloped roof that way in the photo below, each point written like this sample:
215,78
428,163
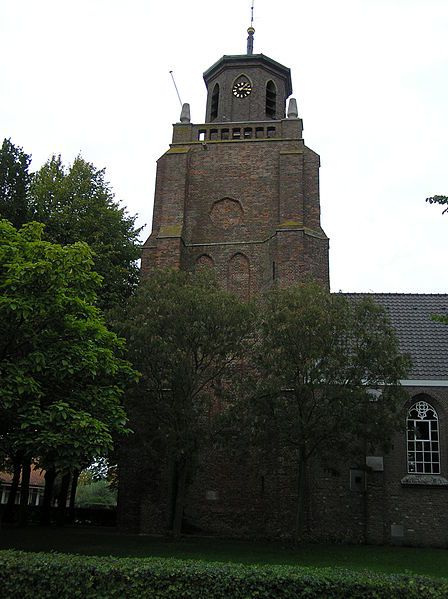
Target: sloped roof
250,60
424,339
37,477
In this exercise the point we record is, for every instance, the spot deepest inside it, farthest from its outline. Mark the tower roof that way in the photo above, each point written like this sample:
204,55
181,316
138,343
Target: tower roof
241,60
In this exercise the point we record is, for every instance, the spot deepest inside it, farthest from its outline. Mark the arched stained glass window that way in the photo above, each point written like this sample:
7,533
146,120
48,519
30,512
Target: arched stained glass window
423,439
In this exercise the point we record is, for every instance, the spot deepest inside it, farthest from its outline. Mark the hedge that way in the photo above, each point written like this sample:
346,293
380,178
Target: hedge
48,575
90,516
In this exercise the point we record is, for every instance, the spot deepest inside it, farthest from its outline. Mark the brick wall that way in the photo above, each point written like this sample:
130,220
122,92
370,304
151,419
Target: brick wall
257,199
254,494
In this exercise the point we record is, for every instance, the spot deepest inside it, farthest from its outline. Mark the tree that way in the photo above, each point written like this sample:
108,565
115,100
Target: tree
317,358
61,373
14,183
185,335
77,204
95,493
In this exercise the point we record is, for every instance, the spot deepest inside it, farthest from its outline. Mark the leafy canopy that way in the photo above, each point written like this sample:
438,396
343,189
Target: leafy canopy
77,204
60,368
183,334
317,358
308,393
14,183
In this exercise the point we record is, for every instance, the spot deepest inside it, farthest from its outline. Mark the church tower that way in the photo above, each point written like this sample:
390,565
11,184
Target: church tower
240,192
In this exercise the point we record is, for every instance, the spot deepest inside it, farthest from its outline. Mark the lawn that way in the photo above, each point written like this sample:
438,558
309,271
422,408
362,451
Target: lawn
104,541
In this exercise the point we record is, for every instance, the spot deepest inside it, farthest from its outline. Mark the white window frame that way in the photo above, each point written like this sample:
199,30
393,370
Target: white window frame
423,439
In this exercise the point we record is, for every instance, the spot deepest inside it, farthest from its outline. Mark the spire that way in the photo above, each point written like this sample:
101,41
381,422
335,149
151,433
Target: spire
251,31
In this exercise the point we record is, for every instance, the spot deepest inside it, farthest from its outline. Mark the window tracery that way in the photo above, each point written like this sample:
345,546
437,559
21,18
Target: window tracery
423,443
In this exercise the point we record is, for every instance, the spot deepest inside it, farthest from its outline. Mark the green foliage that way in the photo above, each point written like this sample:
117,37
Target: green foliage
96,493
93,541
14,183
76,203
61,374
184,334
32,576
327,352
443,318
316,360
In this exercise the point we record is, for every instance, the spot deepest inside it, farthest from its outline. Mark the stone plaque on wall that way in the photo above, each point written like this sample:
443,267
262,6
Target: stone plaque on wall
374,462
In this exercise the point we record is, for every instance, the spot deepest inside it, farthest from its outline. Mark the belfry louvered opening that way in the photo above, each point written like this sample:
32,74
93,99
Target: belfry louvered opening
271,99
215,103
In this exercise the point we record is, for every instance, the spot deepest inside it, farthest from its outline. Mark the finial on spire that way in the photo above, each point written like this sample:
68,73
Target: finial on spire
251,31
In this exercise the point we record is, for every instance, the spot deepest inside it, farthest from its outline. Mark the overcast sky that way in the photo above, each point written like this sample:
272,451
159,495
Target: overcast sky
370,78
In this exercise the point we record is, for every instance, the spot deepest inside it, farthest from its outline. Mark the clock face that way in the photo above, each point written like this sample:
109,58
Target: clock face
241,88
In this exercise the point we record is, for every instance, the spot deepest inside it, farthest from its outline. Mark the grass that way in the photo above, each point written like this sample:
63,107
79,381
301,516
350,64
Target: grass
103,541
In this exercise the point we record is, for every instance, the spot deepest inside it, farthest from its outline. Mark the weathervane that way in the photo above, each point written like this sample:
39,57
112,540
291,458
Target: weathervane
251,31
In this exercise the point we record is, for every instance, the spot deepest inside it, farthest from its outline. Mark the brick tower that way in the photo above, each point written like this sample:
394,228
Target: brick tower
240,193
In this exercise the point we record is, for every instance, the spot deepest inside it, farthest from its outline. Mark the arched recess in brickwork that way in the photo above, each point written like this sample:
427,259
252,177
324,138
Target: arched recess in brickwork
226,213
238,276
204,261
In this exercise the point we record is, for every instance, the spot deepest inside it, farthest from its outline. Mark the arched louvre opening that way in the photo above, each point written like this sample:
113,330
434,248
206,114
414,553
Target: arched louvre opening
215,103
271,100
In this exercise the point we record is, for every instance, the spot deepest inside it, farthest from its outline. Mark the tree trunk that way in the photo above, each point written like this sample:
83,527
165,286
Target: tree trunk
75,478
172,473
301,494
25,492
45,515
62,499
181,484
9,510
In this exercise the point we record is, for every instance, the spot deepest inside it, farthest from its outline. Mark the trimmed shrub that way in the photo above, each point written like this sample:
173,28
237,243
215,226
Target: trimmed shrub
43,575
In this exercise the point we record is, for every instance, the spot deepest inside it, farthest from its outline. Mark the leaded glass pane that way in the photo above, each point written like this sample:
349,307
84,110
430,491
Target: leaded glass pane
422,439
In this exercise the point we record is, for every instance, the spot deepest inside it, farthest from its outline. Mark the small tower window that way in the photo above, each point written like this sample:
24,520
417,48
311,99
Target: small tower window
271,100
214,103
